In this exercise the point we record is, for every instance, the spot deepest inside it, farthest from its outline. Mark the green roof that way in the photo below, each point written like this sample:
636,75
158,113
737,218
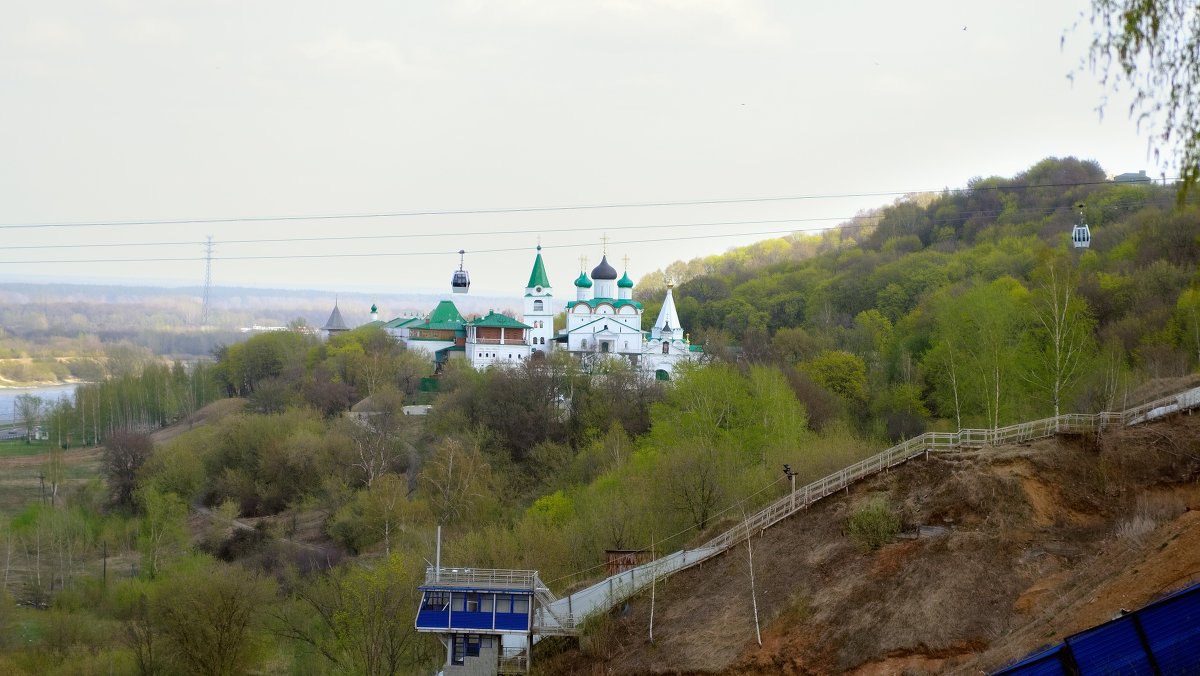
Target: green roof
538,276
402,321
497,320
626,282
445,317
583,281
446,311
595,302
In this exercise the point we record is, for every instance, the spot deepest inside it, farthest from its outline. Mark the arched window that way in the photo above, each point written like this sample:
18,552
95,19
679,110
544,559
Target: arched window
666,347
537,306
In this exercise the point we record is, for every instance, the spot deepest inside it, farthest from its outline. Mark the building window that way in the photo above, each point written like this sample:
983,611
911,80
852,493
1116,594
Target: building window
583,344
472,602
520,604
537,306
485,603
605,346
468,645
504,603
456,602
437,600
666,347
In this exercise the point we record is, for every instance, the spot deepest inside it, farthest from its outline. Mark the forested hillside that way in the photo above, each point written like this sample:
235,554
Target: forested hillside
969,306
295,516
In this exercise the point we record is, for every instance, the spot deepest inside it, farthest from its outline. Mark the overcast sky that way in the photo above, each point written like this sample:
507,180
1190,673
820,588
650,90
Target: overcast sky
130,110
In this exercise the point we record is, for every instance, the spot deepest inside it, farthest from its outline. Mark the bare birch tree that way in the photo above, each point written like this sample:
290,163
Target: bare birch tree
1062,332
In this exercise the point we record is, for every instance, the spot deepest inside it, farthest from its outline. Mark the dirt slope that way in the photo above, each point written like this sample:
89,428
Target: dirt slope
1039,541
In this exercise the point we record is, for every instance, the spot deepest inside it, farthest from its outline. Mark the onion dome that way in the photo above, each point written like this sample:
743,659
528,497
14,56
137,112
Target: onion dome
374,308
583,282
604,270
626,282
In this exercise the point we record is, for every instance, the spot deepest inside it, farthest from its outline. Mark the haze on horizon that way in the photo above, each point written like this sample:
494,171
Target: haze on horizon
130,110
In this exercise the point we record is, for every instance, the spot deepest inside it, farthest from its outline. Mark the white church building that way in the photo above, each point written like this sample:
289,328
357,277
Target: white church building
603,322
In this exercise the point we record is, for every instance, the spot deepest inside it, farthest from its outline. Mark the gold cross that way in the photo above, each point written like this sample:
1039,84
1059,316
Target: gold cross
625,258
582,263
604,242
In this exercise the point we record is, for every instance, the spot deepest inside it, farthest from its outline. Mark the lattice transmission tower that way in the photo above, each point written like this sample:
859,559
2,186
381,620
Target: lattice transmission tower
208,252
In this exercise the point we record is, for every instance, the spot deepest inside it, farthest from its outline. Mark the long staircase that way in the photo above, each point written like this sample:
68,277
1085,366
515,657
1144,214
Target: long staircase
564,616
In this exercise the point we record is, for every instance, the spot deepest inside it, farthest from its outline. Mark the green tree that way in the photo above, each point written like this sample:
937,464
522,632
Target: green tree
840,372
984,325
29,413
360,618
1153,47
163,533
210,618
1187,314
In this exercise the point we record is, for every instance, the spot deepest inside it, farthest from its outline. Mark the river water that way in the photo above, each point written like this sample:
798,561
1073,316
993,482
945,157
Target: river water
49,394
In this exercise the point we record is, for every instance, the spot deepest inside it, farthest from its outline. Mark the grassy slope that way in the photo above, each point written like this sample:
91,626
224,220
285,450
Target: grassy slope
1039,546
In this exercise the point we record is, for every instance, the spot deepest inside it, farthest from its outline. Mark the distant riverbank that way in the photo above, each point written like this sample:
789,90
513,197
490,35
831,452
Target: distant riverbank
40,384
48,393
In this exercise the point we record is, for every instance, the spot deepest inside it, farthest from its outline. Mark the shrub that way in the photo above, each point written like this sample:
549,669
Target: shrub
874,523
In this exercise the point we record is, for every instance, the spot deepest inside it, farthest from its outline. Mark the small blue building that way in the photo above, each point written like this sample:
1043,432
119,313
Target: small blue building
483,616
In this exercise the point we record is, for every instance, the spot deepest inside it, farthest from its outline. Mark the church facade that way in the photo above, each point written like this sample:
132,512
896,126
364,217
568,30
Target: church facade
604,321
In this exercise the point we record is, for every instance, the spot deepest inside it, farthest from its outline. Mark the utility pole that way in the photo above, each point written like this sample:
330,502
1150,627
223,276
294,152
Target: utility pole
208,251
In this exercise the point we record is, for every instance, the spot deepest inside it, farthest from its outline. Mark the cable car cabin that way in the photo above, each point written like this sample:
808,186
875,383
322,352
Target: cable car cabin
460,282
1081,236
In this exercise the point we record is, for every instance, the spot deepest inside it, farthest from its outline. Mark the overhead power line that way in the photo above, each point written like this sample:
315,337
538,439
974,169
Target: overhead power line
845,221
390,254
533,209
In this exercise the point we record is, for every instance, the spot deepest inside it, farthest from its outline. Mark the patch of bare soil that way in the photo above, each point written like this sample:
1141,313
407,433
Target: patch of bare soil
1036,542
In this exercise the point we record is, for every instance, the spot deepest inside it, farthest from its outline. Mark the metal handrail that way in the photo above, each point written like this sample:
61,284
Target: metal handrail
521,579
